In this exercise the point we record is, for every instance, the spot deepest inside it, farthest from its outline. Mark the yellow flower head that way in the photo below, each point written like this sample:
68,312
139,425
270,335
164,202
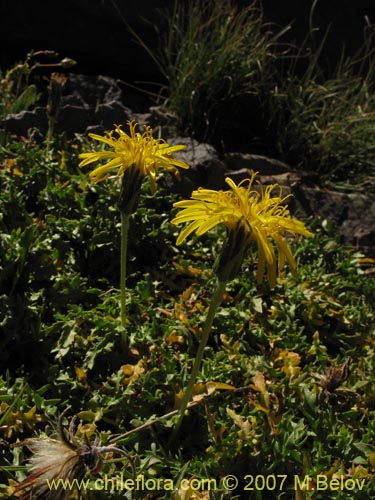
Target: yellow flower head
142,151
253,215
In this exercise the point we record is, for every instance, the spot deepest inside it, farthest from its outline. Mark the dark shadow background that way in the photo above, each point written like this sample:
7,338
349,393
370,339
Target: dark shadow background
94,33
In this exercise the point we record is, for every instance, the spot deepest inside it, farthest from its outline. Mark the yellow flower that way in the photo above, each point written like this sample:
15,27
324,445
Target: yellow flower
142,151
250,215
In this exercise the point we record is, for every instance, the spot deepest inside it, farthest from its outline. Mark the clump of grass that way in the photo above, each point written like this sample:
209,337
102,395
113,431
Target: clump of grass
228,84
210,54
324,120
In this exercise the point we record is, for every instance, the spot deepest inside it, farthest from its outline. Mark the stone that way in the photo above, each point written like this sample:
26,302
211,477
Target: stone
111,113
353,214
24,121
161,120
257,163
206,169
95,104
73,119
86,102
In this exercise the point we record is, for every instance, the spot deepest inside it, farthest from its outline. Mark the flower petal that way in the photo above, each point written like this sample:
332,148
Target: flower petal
142,150
256,215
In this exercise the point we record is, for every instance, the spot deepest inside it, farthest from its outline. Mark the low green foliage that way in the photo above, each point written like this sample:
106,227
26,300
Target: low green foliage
298,361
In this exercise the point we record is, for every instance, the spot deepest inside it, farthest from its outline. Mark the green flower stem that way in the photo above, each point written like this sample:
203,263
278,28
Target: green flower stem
124,246
215,303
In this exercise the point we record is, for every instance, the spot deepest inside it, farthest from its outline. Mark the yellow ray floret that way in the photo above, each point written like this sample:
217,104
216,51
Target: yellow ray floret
134,149
263,217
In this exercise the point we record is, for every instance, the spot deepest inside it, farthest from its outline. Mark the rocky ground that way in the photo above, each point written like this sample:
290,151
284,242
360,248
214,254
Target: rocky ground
95,104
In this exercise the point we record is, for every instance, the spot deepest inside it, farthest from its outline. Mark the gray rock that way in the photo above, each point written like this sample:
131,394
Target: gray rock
353,214
206,170
163,121
86,102
286,179
93,90
73,119
74,100
24,121
111,113
257,163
